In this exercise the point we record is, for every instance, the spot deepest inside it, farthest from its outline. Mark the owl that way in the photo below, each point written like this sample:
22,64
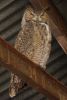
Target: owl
33,41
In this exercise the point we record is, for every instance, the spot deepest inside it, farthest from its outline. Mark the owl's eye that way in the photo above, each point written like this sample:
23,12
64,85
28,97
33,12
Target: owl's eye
42,14
31,13
28,16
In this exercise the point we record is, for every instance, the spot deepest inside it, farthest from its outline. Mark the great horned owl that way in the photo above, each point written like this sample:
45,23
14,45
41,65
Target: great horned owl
33,41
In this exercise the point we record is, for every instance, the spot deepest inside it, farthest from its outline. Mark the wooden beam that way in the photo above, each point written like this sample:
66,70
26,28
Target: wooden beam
59,28
31,72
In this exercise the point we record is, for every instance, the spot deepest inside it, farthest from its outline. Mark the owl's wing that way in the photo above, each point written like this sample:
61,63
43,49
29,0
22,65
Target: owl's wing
22,43
15,82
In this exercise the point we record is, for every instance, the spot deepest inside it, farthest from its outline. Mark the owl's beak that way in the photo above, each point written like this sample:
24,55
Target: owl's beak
34,18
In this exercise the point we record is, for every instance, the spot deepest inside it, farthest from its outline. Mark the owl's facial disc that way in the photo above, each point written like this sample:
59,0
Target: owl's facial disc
35,16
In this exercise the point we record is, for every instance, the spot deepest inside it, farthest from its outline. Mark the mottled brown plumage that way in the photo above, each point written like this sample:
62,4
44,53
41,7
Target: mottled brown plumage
33,41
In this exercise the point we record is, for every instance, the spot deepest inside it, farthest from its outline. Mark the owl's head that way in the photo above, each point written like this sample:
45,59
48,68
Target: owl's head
31,15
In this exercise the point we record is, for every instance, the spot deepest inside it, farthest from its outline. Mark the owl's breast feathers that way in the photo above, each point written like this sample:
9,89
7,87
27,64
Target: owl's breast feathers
34,41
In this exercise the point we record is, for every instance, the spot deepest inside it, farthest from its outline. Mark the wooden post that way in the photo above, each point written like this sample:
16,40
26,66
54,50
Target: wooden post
59,28
31,72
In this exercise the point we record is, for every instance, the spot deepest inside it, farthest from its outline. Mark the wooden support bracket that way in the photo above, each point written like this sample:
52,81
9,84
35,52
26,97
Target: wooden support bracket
31,72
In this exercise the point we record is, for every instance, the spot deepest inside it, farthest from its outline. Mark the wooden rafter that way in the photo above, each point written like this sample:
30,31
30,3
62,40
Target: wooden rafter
59,28
31,72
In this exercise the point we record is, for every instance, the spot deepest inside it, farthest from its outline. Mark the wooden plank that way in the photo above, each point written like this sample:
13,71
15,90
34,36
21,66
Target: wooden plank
60,28
31,72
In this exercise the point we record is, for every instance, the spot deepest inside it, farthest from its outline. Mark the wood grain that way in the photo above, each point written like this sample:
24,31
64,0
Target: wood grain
31,72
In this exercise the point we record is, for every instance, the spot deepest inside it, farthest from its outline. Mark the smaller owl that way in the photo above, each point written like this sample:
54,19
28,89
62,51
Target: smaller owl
33,41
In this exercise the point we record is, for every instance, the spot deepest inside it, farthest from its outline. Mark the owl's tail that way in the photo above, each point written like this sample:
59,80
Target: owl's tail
15,84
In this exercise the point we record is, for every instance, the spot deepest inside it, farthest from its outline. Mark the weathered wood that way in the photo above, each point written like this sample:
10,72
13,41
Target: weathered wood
59,28
31,72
